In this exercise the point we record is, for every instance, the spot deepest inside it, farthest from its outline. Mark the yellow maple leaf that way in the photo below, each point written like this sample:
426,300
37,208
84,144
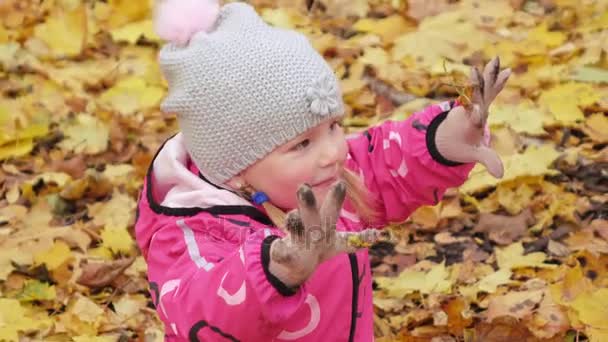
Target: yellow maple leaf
514,200
128,306
436,280
592,309
127,11
375,56
523,117
534,161
14,319
86,134
387,28
541,35
133,31
86,310
564,101
55,256
117,239
64,32
132,94
437,38
512,257
490,282
16,148
571,286
287,18
596,127
117,212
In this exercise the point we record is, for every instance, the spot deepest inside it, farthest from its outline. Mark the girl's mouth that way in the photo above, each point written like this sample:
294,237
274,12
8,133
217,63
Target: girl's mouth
326,182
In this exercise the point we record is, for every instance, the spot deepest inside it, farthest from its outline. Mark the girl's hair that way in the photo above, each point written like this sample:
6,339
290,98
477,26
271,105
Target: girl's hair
356,192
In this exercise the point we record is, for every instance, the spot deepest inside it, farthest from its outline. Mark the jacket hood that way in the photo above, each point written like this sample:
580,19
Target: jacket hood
174,188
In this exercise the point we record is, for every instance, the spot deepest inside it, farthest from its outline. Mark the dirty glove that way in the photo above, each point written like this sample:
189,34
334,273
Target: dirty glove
459,138
312,237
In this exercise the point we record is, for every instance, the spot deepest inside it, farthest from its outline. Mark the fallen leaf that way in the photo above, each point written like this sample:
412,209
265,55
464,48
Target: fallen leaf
564,101
117,212
15,319
387,28
512,257
101,274
534,161
515,304
596,127
523,117
36,290
592,310
491,282
504,229
86,310
86,134
117,239
457,319
54,257
589,74
132,32
131,95
436,280
549,319
64,32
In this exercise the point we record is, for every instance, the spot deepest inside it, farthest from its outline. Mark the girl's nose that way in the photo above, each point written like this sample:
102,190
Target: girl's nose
329,155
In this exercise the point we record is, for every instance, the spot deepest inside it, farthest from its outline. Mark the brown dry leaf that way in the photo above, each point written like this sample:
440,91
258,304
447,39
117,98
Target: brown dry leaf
505,229
600,227
502,329
515,304
549,319
419,9
101,274
458,316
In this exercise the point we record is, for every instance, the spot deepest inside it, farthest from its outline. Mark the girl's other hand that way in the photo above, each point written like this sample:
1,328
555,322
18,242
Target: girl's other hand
312,237
459,137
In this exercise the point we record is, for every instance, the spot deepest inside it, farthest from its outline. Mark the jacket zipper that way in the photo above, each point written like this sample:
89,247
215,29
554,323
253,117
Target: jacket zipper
354,268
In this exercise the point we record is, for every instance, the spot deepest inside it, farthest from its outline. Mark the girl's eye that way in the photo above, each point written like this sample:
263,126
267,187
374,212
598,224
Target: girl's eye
302,145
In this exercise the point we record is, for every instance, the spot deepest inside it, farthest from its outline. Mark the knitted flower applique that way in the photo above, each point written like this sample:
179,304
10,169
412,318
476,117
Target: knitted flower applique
323,96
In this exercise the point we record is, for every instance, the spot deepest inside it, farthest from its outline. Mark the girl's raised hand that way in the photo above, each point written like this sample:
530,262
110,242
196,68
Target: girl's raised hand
312,237
459,137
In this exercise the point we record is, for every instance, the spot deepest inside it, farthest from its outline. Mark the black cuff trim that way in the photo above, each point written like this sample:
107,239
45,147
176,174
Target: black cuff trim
430,141
274,281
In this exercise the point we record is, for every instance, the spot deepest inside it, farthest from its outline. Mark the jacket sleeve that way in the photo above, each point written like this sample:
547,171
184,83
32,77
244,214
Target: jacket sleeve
400,164
205,293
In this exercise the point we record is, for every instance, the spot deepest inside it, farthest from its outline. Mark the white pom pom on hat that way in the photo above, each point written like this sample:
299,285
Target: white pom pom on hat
177,21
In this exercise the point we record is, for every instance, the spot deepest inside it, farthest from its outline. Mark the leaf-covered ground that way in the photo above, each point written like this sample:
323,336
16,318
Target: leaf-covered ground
524,258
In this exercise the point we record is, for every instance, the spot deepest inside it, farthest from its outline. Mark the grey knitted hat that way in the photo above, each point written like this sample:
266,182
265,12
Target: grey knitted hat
242,88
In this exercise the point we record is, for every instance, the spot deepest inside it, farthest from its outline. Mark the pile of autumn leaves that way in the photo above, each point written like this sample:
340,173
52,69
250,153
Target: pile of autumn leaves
520,258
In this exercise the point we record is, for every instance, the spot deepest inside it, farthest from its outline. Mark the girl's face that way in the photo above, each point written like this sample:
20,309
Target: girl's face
314,157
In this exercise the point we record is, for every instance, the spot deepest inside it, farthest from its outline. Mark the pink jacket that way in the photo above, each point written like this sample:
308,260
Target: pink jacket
207,249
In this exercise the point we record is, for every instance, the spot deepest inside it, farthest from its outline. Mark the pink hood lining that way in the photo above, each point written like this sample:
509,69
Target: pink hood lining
178,187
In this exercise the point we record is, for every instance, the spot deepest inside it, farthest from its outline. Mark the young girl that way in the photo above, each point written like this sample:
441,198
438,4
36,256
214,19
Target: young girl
259,112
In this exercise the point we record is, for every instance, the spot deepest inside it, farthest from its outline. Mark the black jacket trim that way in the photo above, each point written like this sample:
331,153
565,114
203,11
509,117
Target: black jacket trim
193,334
274,281
249,211
354,268
430,141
